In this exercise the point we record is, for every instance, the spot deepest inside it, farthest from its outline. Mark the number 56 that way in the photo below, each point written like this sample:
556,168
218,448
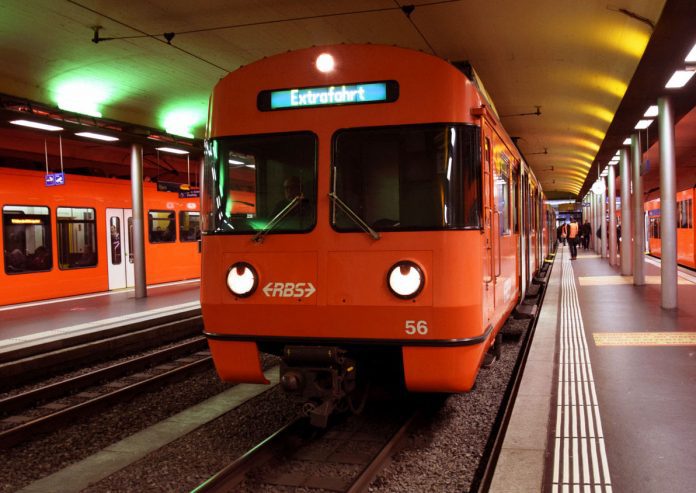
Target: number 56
416,327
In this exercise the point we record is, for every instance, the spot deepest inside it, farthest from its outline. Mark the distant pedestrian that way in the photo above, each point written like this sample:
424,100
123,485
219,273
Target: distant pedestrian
573,232
586,233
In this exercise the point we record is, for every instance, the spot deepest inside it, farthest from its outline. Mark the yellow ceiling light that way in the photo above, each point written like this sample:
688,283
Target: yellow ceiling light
591,131
632,41
586,164
583,156
596,111
606,83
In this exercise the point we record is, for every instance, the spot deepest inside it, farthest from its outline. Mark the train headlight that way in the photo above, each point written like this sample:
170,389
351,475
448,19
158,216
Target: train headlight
405,279
242,279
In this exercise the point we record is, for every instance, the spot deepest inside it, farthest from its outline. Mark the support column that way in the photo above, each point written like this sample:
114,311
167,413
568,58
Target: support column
138,223
603,219
668,203
626,257
597,224
638,215
611,183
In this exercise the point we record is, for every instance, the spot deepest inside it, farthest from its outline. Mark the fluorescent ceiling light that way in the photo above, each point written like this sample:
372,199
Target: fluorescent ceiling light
651,112
235,161
679,79
91,135
40,126
627,142
691,57
172,150
643,124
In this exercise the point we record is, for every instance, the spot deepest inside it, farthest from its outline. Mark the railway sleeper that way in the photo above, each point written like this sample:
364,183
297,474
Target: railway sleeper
322,377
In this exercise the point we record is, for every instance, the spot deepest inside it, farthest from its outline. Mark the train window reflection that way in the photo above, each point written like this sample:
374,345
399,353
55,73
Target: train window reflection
129,237
161,226
415,177
77,239
26,239
189,226
249,180
115,240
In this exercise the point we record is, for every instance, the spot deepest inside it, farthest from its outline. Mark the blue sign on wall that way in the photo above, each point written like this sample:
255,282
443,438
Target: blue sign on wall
54,179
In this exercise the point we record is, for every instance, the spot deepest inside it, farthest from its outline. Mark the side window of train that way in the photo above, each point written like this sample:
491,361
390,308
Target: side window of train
189,226
115,240
77,237
515,202
161,226
502,191
26,233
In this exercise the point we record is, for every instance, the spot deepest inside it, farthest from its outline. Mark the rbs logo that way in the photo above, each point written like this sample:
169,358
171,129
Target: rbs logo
289,289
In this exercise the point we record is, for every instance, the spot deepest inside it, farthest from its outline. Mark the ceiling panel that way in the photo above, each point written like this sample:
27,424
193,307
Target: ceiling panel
573,59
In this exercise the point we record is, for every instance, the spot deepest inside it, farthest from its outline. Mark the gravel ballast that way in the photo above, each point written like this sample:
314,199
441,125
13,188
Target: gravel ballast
442,455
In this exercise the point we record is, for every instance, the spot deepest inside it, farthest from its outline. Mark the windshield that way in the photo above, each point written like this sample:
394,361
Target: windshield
416,177
250,180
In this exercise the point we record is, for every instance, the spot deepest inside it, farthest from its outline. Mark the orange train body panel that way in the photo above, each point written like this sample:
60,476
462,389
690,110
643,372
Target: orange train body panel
686,233
327,286
165,262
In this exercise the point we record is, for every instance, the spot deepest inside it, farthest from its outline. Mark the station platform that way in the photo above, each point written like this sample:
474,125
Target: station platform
31,328
608,396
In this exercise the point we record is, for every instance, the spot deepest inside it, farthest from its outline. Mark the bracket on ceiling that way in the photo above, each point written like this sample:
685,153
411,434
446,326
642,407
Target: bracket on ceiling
537,113
96,38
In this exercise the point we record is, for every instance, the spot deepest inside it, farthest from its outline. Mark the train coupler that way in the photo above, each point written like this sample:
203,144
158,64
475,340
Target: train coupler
320,376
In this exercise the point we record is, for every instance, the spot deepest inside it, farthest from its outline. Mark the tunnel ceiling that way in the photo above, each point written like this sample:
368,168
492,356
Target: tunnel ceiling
574,60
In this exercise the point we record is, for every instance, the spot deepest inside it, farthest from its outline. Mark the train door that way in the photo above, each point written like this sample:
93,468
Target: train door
489,237
521,193
119,248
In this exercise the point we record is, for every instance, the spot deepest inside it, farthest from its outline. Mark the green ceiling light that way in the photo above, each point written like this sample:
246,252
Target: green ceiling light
82,96
181,121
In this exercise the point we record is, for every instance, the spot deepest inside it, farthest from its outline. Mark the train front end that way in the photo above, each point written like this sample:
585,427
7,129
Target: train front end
343,223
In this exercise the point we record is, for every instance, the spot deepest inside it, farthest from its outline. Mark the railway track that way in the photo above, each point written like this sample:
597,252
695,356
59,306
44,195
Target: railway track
344,458
347,457
46,407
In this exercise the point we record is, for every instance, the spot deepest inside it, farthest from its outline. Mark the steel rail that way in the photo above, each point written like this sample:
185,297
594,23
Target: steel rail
70,385
18,434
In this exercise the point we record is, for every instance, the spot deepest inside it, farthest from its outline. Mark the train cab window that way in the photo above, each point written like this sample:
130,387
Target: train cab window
77,237
189,226
260,183
415,177
161,226
26,239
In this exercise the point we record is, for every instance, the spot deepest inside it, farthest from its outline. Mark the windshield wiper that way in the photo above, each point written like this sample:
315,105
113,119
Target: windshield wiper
258,237
353,216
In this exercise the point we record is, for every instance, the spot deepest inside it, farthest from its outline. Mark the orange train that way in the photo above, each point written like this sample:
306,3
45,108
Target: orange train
686,234
363,210
76,238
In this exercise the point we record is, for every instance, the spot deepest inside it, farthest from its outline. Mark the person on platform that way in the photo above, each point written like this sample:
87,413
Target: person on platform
573,232
586,233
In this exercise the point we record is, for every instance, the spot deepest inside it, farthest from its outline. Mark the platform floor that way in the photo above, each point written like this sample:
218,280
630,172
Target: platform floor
608,398
46,321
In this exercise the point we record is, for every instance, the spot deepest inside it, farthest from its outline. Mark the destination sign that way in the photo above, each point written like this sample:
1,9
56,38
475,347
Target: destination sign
336,95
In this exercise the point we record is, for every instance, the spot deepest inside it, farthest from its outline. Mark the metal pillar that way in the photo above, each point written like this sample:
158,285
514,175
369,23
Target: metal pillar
668,203
138,226
603,219
626,262
611,182
638,214
596,224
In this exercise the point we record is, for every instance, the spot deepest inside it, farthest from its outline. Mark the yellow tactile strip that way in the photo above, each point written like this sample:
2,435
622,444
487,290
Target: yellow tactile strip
644,338
617,280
